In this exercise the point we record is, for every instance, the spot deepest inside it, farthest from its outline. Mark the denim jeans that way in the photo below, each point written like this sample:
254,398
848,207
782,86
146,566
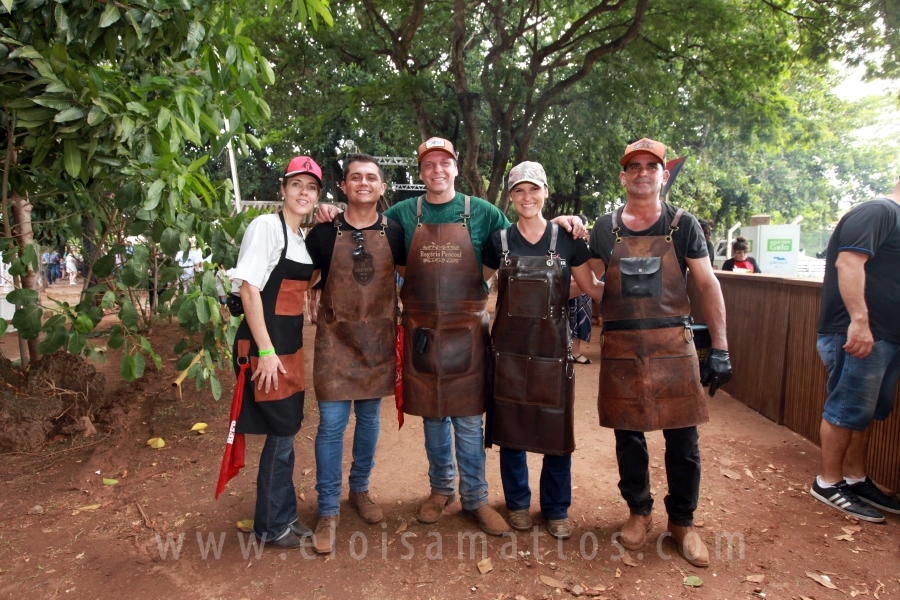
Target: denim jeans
333,418
556,483
682,473
276,501
860,390
469,436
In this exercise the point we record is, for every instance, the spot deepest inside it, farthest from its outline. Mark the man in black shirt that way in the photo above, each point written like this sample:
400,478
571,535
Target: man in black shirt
356,256
859,342
649,378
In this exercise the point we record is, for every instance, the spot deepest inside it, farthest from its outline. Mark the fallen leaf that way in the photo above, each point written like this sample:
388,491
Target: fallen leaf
302,497
80,555
878,589
485,566
88,507
693,581
730,474
156,443
401,528
618,572
305,472
851,529
756,578
245,525
554,583
629,561
110,481
763,530
749,473
599,588
822,580
844,538
724,461
199,427
699,523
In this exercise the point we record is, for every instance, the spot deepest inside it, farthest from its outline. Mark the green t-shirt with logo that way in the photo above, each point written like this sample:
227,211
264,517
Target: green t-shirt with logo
485,220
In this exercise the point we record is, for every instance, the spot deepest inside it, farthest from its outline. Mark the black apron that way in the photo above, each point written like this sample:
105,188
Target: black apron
279,412
534,382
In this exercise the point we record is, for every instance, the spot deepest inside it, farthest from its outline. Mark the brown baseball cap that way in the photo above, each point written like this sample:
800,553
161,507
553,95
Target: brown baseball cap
645,146
436,144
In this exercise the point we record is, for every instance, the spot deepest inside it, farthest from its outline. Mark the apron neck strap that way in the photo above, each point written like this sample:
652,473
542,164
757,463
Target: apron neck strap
466,211
337,225
673,226
554,235
504,243
284,230
616,215
383,225
419,211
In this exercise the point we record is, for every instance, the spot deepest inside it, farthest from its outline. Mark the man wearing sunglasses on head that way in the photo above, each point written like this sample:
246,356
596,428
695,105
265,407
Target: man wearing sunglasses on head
356,255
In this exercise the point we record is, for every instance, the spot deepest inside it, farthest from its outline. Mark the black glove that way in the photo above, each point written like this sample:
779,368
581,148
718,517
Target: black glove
716,370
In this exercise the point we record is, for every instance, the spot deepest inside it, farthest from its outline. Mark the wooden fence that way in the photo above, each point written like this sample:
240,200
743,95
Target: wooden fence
777,371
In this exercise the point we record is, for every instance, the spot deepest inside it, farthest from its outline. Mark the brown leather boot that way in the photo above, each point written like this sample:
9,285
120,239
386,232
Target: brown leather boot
325,534
690,546
368,510
433,508
489,520
634,531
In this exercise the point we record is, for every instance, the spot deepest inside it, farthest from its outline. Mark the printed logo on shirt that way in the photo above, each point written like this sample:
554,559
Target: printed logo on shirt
435,253
363,269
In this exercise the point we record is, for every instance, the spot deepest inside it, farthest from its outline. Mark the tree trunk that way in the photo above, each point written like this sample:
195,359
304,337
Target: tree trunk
24,236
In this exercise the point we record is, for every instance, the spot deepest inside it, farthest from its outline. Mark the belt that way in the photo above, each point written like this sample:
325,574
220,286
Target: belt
659,323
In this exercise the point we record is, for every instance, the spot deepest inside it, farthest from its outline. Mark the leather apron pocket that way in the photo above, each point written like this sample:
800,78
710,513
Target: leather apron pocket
288,383
620,377
369,344
290,298
673,376
528,297
449,350
641,277
528,380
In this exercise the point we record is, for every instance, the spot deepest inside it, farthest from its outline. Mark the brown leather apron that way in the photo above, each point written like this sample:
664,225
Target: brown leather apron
534,382
446,321
354,357
649,374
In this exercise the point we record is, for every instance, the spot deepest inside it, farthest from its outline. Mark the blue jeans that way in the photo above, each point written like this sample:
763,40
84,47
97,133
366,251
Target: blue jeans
276,501
556,483
333,418
860,390
469,435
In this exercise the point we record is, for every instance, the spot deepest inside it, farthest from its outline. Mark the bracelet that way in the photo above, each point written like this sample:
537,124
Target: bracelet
269,352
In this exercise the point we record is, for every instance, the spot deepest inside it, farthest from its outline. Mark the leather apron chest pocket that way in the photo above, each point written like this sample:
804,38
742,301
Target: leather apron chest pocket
528,297
449,350
641,277
528,380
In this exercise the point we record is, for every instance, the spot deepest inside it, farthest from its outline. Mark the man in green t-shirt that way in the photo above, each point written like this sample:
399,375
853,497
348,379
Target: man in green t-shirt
446,329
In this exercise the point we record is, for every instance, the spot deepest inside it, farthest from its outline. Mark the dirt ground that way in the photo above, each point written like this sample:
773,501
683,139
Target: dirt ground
158,532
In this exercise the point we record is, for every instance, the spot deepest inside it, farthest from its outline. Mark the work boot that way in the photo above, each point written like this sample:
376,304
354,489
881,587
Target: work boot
520,519
561,529
634,531
326,532
690,546
368,510
489,520
433,508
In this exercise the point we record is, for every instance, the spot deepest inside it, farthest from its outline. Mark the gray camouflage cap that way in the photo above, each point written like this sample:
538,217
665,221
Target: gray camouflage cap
527,171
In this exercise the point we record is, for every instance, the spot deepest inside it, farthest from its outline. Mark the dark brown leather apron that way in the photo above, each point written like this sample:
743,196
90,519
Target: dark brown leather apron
278,412
649,374
446,321
354,357
534,382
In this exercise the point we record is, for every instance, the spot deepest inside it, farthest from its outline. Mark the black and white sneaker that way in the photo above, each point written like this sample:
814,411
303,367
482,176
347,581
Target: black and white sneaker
869,492
841,497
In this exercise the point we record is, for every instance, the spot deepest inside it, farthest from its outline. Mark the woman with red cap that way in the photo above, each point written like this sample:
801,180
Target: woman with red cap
272,273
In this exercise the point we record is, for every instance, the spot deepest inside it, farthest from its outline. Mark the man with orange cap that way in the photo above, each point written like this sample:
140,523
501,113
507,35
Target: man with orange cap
649,375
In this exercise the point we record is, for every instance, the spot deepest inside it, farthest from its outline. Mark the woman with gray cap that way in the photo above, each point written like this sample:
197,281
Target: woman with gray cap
532,409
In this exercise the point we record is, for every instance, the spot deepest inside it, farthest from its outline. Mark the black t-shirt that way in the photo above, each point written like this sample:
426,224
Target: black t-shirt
689,240
572,252
871,228
320,243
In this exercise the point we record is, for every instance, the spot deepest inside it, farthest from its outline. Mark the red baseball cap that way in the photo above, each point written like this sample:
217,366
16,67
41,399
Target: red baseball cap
303,164
645,146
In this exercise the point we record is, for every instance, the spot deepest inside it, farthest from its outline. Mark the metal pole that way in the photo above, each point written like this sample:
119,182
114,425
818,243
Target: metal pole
234,175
